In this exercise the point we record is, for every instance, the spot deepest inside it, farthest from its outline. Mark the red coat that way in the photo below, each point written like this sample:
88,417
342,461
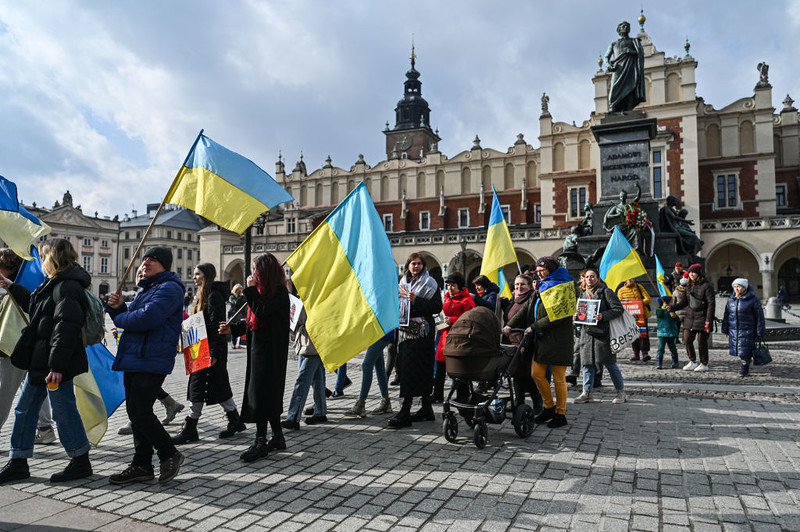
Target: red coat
453,308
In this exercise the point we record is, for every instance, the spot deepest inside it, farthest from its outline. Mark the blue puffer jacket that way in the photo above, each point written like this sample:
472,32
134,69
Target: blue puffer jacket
152,326
743,322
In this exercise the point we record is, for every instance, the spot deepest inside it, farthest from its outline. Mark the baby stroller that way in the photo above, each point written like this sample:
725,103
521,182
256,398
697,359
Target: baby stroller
473,354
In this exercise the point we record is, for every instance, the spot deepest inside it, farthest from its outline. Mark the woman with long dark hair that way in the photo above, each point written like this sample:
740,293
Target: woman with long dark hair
211,385
267,328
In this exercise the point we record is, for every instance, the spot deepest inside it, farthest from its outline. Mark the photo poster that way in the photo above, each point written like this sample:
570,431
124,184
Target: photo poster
295,309
194,339
587,311
405,311
635,307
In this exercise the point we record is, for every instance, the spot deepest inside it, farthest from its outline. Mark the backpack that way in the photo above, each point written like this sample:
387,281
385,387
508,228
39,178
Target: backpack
93,330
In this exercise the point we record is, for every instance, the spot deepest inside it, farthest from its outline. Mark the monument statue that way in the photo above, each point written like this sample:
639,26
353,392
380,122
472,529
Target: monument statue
763,76
632,221
625,60
672,220
586,226
570,257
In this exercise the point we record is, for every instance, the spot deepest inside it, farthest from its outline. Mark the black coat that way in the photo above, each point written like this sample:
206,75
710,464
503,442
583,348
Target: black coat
597,350
53,341
415,357
267,355
553,341
702,293
212,385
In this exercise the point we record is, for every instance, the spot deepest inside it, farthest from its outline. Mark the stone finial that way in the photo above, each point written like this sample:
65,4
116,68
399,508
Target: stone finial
642,19
687,47
545,106
67,200
361,159
387,126
476,144
520,139
788,106
328,162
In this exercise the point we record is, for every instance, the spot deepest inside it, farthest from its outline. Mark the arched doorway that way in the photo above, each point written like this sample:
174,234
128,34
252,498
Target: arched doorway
103,289
789,277
234,273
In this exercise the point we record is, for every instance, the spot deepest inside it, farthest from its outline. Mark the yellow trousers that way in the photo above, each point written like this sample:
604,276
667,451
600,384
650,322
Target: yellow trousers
538,372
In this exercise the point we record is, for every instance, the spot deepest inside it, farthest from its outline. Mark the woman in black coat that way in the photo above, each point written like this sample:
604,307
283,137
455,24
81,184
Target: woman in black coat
211,385
743,322
51,349
416,348
267,328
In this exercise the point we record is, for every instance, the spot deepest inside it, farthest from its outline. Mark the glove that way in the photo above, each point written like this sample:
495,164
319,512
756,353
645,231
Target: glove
707,328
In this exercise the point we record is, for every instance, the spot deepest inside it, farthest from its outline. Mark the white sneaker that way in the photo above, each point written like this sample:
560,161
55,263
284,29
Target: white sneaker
45,436
701,367
585,397
620,398
691,366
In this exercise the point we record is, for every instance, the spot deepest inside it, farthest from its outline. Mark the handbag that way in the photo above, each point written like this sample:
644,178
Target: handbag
761,354
623,331
695,303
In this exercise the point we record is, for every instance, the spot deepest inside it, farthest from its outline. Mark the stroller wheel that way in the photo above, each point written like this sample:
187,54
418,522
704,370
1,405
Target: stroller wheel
523,420
450,428
480,435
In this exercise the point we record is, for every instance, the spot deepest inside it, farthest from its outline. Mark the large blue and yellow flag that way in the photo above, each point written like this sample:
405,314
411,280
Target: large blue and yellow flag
620,261
346,277
660,276
499,249
18,227
30,274
224,187
98,392
557,292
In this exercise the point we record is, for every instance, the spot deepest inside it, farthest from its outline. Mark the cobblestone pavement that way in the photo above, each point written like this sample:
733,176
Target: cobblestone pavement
688,451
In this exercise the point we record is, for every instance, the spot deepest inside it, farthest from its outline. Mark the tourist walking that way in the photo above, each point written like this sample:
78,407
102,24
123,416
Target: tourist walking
743,322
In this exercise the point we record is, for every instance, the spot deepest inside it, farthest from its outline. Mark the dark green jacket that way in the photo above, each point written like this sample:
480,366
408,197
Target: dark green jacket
553,341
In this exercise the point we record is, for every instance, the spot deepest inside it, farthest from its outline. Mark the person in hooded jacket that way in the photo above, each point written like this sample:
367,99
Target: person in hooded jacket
699,303
486,292
51,349
743,322
457,301
210,385
146,355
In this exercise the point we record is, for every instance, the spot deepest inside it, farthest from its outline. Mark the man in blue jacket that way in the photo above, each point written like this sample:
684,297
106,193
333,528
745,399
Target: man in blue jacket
146,354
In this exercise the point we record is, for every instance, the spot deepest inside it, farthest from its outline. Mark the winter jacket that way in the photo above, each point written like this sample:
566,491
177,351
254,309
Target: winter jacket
52,341
512,307
152,324
302,342
637,292
488,299
743,322
236,303
699,295
597,350
453,307
553,341
668,325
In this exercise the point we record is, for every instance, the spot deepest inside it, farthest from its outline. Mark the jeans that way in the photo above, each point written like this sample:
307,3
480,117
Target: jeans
341,378
374,359
10,379
141,390
702,345
613,370
65,412
311,373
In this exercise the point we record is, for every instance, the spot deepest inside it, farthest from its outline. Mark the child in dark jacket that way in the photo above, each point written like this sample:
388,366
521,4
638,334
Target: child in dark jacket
668,325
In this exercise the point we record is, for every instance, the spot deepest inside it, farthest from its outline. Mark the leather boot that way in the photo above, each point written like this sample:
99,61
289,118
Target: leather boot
234,424
172,407
426,412
188,433
256,451
546,415
15,469
78,467
359,410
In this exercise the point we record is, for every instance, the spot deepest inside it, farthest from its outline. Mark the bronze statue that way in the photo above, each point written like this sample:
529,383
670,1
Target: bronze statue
627,68
586,226
672,220
617,216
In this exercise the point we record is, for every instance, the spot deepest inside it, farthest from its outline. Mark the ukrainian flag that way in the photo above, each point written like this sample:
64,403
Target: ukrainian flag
660,276
224,187
98,392
18,227
30,274
499,250
346,277
557,292
620,261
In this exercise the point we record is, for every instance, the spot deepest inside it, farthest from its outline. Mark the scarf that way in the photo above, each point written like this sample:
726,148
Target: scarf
423,286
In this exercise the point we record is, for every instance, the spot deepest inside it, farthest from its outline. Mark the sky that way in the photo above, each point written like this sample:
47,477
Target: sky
104,99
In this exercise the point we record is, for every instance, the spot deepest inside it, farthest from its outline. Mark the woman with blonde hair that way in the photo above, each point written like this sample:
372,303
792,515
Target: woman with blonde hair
51,349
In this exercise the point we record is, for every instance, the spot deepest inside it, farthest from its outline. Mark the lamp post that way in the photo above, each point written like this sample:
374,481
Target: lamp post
463,256
261,221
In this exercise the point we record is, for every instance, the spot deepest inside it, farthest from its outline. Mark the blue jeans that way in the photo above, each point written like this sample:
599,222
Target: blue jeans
311,373
65,413
341,378
374,359
613,370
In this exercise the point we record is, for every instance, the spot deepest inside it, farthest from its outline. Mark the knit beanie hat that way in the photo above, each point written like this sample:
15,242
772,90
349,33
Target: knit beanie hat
696,268
162,254
456,279
741,281
548,262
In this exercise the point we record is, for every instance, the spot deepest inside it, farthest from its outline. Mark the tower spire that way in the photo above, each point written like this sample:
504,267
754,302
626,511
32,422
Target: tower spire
413,56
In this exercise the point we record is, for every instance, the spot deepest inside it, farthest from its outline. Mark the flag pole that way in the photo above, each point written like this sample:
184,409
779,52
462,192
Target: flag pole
24,316
155,217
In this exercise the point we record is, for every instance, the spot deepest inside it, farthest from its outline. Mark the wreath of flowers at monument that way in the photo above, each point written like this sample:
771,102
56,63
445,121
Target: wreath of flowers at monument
634,216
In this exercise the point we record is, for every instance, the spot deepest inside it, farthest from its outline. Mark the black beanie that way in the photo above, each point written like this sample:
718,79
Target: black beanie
162,254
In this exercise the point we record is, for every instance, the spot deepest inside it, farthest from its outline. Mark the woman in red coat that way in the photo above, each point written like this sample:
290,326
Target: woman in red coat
457,300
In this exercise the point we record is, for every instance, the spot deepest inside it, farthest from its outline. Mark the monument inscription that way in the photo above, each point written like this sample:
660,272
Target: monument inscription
624,165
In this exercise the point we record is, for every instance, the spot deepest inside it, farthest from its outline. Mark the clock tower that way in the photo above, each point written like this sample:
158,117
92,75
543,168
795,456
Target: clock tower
412,135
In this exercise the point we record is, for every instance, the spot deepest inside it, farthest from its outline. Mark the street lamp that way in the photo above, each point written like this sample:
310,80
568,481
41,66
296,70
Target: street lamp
259,222
463,254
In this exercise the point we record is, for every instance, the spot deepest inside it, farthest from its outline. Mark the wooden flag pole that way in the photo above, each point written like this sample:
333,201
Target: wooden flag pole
153,221
13,300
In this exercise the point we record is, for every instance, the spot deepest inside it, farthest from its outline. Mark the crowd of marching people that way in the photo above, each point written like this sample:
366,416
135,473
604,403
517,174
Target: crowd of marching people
556,350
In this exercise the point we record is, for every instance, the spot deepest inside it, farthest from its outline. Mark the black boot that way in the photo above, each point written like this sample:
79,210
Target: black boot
546,415
426,412
559,420
78,467
15,469
256,451
402,419
188,433
234,424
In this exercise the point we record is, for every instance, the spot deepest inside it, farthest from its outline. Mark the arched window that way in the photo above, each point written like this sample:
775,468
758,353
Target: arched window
402,185
368,183
384,188
778,147
439,181
318,195
558,157
746,140
350,186
334,193
421,192
486,177
673,93
508,177
303,196
713,148
584,154
531,176
466,181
